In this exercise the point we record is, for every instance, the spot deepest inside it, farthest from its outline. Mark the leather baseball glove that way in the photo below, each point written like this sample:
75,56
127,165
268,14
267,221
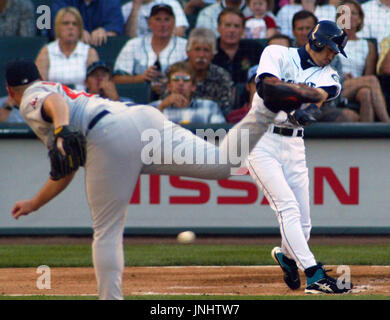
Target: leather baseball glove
279,95
68,152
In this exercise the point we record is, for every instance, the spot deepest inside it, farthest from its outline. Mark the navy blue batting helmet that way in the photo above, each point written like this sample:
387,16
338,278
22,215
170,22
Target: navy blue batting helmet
327,32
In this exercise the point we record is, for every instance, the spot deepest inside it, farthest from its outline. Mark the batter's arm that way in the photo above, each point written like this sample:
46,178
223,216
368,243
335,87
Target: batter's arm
324,95
49,191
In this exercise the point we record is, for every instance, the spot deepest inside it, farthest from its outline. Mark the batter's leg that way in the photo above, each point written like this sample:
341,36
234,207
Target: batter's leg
297,177
269,175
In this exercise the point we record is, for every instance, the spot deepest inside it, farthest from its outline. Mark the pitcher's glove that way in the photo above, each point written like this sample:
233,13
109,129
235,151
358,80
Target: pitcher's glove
68,152
306,116
279,95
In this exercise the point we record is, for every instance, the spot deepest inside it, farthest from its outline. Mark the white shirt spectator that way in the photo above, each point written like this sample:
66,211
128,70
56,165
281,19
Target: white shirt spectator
208,17
376,21
144,12
286,14
68,70
137,55
357,51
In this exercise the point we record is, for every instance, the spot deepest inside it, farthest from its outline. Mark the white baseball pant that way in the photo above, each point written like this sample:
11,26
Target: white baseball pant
278,165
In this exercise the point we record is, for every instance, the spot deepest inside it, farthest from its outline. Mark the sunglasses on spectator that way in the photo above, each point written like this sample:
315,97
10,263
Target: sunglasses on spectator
185,78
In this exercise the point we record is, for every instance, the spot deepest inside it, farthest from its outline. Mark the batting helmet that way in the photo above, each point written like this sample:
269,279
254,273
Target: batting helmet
327,32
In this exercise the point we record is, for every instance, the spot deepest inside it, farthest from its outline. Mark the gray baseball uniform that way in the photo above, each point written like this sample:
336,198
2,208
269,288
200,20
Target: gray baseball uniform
119,141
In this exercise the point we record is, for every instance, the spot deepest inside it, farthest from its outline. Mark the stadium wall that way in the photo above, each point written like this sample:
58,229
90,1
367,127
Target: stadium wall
349,188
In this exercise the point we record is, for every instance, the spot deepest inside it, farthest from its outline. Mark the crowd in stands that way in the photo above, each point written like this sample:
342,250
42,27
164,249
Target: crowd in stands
196,59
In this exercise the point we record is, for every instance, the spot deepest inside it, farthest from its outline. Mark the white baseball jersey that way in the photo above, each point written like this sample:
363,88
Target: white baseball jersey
285,63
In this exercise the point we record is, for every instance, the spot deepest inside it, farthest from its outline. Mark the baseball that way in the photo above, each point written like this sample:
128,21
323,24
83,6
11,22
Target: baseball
186,237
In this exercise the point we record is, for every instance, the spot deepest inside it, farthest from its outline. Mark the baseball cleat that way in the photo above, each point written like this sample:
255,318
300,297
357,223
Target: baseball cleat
319,282
289,267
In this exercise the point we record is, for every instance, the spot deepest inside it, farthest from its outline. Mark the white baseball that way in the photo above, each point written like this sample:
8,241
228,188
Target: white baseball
186,237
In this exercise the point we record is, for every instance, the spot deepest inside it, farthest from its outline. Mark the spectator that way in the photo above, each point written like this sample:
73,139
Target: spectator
286,13
260,25
136,15
212,82
377,20
17,18
146,58
302,23
383,65
208,17
234,54
281,40
66,59
9,111
180,106
332,111
101,18
250,87
99,81
360,82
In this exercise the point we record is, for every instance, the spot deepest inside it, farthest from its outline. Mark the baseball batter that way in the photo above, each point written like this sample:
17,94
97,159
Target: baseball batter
106,137
278,164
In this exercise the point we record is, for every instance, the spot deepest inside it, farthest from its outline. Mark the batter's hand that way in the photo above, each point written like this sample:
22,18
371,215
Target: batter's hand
22,208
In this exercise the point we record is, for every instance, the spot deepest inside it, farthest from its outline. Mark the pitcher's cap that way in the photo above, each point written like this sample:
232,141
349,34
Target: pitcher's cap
21,72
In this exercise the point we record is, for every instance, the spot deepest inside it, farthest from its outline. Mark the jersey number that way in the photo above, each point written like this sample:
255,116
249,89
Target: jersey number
73,95
69,92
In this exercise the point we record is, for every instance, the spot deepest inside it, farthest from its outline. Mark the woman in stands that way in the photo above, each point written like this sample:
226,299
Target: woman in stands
360,82
66,59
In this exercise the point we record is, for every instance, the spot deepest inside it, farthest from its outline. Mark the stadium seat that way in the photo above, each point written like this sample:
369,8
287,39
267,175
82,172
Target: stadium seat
110,50
385,84
17,47
240,95
138,92
263,42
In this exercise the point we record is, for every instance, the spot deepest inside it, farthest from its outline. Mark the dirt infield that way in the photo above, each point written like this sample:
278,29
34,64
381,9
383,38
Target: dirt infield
228,280
258,280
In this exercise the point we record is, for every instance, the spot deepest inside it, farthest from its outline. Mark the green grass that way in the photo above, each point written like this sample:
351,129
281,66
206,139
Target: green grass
181,255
